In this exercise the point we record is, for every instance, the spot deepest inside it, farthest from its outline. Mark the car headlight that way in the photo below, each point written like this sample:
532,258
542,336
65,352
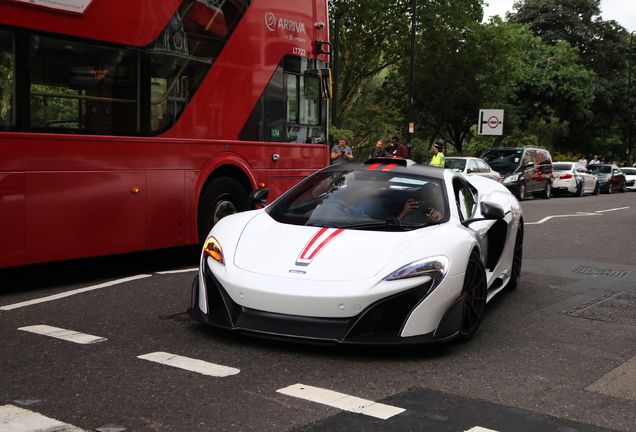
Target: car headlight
435,267
511,179
212,248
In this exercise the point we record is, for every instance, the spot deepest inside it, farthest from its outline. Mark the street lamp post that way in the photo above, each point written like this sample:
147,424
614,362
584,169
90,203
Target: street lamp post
334,67
629,94
411,125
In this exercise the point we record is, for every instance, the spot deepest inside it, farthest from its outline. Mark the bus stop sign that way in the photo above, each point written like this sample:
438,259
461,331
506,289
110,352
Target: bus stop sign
490,122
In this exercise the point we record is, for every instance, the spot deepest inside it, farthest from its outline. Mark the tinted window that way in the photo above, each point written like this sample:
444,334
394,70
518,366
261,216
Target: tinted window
357,199
455,164
105,89
465,197
482,166
503,159
600,169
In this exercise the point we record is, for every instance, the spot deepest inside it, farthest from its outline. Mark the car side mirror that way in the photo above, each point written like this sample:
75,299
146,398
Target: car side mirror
489,211
470,170
258,196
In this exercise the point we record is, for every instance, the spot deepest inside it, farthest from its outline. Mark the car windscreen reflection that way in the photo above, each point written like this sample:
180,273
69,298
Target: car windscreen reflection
360,200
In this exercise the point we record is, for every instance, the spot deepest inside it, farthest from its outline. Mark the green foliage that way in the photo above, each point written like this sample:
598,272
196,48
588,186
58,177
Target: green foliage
6,87
555,67
336,133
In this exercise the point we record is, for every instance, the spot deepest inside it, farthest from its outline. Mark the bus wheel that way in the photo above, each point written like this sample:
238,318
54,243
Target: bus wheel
222,197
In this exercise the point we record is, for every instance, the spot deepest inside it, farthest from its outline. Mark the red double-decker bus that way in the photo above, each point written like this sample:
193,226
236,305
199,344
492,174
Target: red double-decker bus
134,125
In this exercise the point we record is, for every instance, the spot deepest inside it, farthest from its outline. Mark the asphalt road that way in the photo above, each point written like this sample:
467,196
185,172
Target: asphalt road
557,354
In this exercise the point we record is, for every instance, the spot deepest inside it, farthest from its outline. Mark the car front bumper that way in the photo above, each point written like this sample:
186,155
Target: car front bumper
379,324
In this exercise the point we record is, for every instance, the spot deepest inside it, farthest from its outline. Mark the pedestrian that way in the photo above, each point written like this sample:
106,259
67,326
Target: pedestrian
378,151
341,153
583,161
594,160
438,157
397,150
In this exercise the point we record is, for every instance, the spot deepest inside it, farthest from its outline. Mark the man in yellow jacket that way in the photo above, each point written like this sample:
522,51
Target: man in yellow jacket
438,157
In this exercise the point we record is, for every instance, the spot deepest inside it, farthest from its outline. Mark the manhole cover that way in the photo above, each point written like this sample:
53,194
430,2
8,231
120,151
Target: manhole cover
617,308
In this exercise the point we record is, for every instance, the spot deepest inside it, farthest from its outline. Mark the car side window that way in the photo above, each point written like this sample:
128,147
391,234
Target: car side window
527,157
481,165
465,198
471,167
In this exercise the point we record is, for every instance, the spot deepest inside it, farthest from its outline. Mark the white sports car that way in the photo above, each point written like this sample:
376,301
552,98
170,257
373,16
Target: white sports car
387,252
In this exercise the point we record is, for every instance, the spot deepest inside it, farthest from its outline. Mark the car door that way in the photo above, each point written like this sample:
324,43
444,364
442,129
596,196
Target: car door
529,170
618,178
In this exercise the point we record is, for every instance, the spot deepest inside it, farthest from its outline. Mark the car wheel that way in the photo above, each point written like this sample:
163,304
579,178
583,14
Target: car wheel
521,192
623,188
548,191
517,259
597,189
473,297
609,188
579,190
222,197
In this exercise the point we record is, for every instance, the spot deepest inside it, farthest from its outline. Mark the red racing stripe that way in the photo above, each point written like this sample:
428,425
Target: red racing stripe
310,251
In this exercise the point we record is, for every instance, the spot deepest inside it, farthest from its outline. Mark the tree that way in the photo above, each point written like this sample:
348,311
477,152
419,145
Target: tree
602,49
375,40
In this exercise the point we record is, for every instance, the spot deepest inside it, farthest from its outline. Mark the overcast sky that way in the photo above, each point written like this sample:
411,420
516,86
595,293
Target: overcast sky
622,11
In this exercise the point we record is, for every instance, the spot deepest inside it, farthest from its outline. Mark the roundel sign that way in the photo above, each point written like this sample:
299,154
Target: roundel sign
490,122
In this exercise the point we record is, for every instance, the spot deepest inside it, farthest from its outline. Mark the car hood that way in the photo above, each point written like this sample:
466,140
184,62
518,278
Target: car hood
503,169
274,249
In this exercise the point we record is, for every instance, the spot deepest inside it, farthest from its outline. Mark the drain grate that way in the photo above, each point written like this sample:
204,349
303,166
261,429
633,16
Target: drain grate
594,271
618,308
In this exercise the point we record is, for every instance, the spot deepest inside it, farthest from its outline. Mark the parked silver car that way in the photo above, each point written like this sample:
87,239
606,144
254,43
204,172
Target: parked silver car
472,166
573,178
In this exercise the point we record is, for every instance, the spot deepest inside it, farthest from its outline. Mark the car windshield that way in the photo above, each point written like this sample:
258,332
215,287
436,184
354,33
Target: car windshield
562,167
455,164
503,160
370,200
629,171
600,169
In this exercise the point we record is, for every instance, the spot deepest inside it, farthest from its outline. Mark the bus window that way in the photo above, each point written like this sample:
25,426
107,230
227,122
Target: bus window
78,87
290,109
326,83
7,83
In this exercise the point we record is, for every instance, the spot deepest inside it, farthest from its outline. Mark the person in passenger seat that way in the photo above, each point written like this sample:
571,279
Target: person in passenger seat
427,208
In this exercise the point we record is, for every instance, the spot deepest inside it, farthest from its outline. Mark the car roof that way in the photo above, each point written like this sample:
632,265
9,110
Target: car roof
406,166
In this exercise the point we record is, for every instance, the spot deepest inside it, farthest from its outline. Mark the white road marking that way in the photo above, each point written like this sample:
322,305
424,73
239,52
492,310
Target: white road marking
179,271
341,401
14,419
596,213
73,292
547,218
614,209
67,335
480,429
190,364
